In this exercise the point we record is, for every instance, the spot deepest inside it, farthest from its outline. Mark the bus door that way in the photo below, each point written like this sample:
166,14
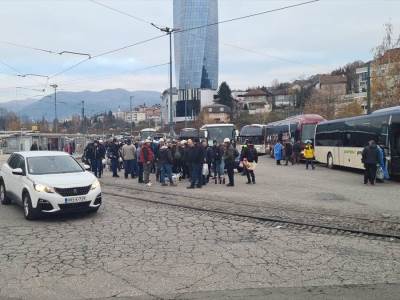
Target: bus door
395,149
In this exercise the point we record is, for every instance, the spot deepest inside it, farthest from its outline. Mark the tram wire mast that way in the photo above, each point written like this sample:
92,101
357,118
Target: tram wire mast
169,32
55,86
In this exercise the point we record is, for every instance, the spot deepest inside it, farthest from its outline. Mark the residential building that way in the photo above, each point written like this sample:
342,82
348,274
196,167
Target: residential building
282,98
335,85
216,113
255,102
362,74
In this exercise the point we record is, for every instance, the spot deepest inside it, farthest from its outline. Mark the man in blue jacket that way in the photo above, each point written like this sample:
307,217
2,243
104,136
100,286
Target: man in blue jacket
278,149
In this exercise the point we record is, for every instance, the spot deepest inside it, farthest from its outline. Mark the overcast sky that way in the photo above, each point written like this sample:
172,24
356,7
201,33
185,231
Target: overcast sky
284,45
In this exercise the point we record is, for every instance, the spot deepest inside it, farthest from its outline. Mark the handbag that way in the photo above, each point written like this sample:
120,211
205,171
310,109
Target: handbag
205,169
380,174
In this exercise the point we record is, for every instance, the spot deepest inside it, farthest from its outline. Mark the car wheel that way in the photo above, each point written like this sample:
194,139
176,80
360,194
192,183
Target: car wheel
329,161
3,195
30,213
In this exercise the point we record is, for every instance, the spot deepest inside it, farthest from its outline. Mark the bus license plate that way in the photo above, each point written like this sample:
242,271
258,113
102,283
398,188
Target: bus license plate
75,199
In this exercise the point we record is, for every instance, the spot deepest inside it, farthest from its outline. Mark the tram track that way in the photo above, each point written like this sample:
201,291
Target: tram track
272,215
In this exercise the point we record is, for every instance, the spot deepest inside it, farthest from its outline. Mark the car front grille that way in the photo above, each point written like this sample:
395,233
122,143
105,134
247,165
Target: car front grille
75,191
78,205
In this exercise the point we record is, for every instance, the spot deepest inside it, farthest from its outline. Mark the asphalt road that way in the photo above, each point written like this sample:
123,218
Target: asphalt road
136,250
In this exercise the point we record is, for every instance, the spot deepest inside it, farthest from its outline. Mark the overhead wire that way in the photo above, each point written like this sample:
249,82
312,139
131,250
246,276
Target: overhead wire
248,16
28,47
120,11
221,22
106,53
10,67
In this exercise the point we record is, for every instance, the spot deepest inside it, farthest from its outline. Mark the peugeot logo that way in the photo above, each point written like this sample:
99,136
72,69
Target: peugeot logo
75,191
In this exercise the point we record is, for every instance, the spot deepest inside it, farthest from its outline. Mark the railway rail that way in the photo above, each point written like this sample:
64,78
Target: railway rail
281,217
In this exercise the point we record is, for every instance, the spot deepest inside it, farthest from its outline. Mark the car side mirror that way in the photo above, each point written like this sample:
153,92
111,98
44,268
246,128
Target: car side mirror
18,171
86,167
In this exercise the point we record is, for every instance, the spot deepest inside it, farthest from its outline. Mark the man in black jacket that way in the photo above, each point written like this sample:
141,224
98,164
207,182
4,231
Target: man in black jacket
288,153
370,159
296,152
195,157
113,154
165,161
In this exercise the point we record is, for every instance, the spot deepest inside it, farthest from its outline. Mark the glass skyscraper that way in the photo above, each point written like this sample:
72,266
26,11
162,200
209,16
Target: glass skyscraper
196,51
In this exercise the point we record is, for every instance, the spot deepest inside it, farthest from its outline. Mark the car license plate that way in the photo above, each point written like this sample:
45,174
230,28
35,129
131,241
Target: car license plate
75,199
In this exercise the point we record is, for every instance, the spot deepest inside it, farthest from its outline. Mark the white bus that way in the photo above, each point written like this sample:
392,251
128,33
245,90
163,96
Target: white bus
255,134
147,133
218,132
341,142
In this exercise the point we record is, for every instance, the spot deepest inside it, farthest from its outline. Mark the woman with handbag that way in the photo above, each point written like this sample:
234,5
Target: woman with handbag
249,161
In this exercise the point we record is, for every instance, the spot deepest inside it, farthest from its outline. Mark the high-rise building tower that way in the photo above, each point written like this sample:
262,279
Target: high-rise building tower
196,55
196,51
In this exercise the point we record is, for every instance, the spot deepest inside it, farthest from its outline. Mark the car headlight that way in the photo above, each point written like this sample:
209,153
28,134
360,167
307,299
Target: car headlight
43,188
95,185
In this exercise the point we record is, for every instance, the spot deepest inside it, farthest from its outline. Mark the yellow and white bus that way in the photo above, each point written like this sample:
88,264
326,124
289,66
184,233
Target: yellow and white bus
341,142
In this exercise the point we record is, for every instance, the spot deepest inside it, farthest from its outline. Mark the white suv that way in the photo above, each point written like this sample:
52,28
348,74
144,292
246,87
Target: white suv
46,182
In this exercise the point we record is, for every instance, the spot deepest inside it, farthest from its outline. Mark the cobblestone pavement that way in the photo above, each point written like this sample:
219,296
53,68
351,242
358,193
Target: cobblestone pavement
149,251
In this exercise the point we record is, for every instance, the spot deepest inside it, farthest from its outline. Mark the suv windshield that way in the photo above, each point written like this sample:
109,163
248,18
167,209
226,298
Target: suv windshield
52,165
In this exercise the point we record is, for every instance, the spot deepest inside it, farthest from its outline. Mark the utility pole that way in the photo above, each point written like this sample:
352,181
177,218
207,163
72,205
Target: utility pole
131,112
55,86
169,32
83,116
369,88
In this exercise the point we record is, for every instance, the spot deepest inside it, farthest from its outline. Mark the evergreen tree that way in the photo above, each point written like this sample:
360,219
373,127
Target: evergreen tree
225,95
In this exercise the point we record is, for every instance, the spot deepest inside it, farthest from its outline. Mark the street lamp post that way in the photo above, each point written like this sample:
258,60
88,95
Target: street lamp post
131,112
54,86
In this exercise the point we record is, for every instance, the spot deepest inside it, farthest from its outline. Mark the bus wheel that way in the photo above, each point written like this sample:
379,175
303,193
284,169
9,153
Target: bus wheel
329,161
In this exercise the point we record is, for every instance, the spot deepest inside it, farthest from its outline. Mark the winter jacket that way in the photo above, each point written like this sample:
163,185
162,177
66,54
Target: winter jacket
113,151
146,154
297,148
309,152
165,155
128,152
278,148
210,154
218,152
288,149
229,154
370,155
196,154
250,154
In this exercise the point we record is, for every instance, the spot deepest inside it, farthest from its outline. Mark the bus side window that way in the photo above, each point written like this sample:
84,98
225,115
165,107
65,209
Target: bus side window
297,135
347,139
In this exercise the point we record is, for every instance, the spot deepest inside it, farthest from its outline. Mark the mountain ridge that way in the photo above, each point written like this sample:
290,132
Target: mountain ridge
70,103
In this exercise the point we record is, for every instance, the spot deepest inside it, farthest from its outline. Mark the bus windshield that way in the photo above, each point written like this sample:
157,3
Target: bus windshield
147,134
220,133
308,132
251,131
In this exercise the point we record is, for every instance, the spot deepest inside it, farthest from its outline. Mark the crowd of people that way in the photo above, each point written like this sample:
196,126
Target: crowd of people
291,152
172,161
201,163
